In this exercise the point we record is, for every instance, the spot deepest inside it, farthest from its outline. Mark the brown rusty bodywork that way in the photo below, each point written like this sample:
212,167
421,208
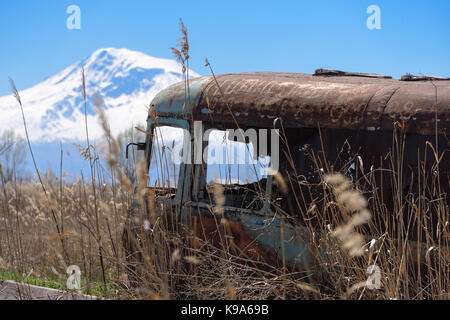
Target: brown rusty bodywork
340,115
302,100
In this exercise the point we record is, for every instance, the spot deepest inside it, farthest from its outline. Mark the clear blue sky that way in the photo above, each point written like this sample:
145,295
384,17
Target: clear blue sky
291,36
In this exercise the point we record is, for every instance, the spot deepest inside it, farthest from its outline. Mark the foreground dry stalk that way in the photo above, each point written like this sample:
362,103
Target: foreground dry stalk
350,201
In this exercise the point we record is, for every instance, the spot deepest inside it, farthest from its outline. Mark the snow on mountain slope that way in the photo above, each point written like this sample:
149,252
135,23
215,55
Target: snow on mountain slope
126,80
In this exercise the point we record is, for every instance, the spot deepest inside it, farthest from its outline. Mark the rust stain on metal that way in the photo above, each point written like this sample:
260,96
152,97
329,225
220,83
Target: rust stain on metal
239,242
303,100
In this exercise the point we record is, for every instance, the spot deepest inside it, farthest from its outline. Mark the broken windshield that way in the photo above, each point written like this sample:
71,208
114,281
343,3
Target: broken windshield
163,170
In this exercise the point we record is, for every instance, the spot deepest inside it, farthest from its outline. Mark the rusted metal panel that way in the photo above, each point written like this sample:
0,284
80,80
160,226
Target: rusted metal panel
258,237
420,106
412,77
176,101
302,100
328,72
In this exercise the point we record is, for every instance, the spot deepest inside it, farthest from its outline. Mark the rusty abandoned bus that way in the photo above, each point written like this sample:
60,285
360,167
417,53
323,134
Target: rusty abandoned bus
390,137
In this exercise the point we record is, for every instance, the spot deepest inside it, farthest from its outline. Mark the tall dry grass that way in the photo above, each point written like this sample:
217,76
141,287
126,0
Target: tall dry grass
171,266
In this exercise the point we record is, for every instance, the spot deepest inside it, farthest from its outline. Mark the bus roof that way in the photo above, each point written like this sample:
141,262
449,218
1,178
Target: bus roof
330,100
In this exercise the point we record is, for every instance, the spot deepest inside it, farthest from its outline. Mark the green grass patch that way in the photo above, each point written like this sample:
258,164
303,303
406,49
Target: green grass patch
94,288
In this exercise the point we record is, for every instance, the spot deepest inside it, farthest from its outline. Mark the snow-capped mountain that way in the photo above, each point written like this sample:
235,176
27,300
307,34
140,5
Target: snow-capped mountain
126,80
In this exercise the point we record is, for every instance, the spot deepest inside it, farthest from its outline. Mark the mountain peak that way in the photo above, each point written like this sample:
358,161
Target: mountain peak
130,58
127,80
